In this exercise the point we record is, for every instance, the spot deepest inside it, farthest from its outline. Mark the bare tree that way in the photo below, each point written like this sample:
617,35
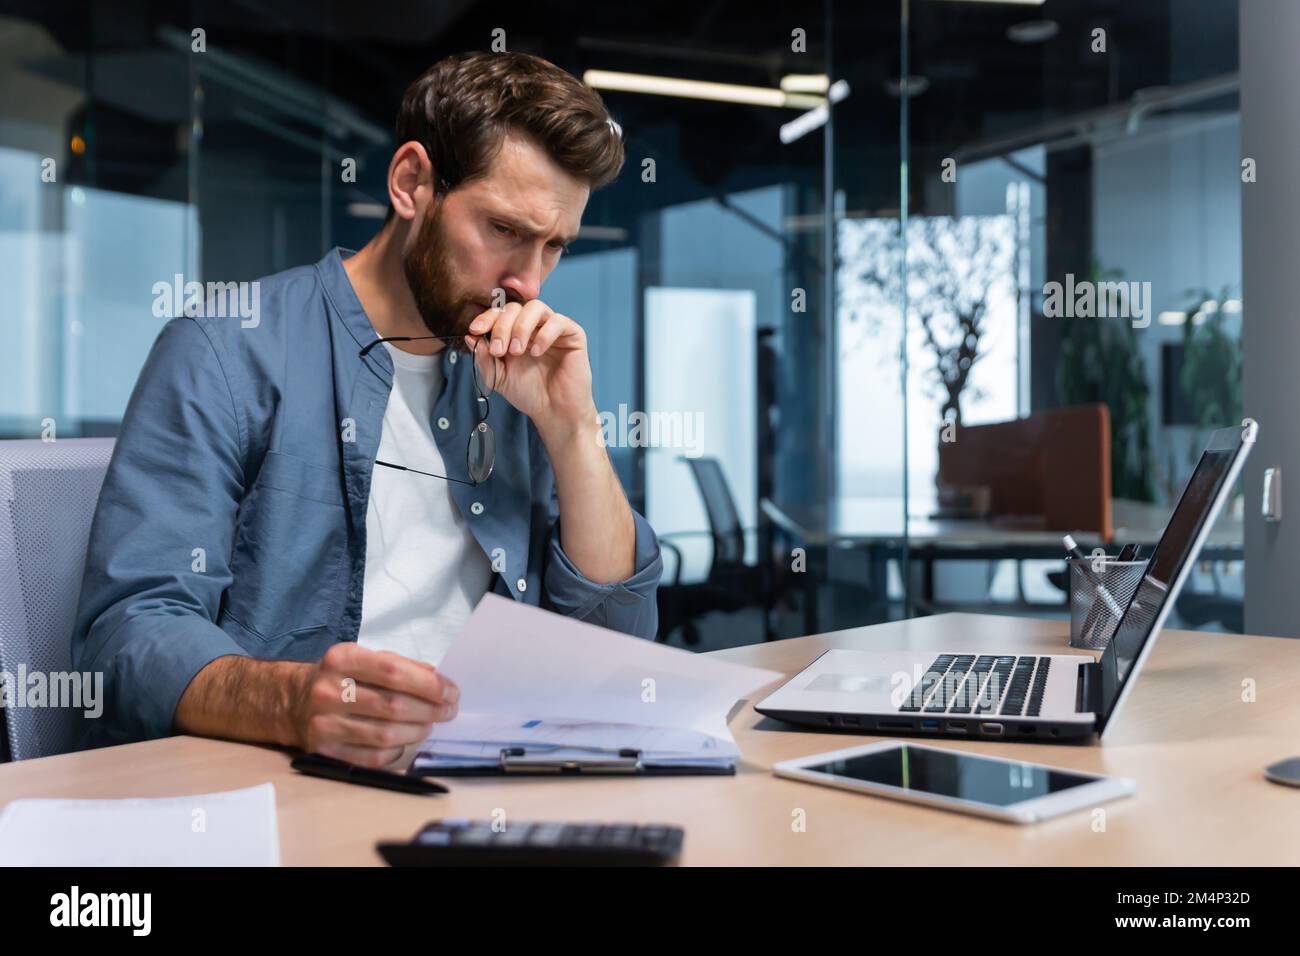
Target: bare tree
954,269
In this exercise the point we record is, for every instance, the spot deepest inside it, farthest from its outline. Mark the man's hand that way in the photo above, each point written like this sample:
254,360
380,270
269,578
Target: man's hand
359,705
539,360
365,706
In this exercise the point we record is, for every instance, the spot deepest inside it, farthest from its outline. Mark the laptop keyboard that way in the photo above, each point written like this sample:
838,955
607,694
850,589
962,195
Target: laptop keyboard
967,684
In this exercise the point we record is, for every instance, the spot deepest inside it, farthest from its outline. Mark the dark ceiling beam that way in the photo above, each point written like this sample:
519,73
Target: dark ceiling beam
763,61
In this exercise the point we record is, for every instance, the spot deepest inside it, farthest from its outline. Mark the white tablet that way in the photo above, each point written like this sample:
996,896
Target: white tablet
1010,790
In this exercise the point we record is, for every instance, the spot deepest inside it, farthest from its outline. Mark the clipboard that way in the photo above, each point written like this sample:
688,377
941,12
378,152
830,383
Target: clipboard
518,761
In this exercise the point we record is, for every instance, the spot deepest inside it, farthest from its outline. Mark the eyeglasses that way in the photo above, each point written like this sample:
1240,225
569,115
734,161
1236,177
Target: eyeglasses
481,453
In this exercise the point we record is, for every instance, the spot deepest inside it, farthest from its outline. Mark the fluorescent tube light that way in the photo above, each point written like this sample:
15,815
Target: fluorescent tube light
698,89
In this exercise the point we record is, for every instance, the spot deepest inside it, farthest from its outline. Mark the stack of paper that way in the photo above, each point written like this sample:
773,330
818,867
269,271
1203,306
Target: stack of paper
548,684
476,740
235,828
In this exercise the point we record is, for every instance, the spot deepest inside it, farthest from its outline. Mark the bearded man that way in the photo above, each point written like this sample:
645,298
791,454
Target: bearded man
301,512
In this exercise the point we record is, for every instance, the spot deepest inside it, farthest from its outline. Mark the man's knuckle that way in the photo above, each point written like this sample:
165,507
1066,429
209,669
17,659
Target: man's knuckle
390,704
322,693
389,670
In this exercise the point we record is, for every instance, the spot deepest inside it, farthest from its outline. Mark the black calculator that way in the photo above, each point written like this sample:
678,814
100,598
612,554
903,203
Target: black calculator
461,842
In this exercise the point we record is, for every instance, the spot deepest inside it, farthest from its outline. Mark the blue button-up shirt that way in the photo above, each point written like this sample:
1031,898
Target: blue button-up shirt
232,518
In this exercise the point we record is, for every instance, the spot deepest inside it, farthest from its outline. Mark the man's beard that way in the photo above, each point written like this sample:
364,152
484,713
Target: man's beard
428,273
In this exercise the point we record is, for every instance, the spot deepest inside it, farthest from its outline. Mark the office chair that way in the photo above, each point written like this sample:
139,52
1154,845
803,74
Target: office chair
48,492
731,585
1196,609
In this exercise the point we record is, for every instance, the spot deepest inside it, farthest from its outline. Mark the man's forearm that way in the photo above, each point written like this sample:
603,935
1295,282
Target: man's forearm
596,527
244,698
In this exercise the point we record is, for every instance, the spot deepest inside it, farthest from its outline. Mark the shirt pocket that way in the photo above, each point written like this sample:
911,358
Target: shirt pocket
289,546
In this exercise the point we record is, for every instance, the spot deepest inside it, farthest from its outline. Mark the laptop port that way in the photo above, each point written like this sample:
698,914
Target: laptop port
956,728
850,721
929,725
993,729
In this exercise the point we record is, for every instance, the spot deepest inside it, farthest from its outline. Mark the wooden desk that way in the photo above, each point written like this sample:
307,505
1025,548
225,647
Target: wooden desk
1196,750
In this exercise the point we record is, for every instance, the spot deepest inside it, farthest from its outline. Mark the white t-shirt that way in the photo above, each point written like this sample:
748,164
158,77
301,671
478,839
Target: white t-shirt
425,571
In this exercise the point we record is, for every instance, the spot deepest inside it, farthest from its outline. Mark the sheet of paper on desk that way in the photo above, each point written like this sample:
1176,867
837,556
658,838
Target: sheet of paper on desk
513,660
233,828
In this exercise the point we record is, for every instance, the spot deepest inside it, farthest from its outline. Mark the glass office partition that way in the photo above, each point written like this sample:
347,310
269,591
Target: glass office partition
1100,144
222,143
94,210
864,515
853,252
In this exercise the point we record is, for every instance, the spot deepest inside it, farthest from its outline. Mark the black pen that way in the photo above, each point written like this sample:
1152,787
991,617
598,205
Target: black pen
318,765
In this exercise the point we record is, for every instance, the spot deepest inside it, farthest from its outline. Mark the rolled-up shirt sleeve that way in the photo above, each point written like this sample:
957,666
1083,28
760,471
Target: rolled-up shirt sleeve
158,560
628,606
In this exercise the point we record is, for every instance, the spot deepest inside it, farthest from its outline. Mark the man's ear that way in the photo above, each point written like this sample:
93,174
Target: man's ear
409,170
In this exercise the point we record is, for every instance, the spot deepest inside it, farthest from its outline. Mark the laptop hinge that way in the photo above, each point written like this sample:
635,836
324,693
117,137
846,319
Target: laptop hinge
1087,692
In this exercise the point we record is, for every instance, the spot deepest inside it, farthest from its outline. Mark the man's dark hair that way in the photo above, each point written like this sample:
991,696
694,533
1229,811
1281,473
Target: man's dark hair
461,109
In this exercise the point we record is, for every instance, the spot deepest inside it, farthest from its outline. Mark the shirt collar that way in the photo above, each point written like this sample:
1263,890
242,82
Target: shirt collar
347,307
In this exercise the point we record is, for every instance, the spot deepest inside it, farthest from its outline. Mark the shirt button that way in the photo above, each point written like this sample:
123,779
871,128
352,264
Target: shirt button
453,356
522,585
476,508
444,424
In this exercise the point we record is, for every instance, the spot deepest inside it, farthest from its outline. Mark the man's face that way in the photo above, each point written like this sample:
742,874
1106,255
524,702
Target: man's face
505,230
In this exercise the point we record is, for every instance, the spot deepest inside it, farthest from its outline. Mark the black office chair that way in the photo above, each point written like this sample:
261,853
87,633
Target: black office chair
731,584
1196,609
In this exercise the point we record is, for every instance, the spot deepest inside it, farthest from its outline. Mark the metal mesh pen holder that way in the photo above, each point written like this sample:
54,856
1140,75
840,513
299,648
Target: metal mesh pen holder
1100,589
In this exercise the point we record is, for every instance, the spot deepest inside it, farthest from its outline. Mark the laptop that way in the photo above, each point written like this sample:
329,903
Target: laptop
999,694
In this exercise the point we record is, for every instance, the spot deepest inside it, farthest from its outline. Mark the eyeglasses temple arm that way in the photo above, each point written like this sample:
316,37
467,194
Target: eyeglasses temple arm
401,338
388,464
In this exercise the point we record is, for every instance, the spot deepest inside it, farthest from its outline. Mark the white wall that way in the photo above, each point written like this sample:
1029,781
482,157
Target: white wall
700,361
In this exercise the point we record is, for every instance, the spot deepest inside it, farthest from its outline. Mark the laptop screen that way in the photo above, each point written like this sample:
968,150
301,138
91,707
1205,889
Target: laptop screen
1171,555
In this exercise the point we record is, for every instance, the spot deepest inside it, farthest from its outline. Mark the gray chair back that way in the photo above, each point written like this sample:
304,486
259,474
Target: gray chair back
48,492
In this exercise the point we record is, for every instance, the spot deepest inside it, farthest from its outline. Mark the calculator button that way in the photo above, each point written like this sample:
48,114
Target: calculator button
547,834
618,836
514,834
475,836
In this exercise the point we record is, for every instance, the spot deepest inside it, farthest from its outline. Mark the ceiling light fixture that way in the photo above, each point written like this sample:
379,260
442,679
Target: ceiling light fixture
699,90
1033,31
806,83
815,117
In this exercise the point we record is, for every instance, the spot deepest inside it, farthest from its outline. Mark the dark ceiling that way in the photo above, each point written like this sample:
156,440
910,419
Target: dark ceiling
980,83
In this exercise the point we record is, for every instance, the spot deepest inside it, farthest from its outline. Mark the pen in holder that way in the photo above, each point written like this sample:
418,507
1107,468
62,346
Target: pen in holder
1100,589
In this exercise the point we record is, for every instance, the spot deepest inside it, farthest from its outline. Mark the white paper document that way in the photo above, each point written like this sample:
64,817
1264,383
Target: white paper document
555,686
233,828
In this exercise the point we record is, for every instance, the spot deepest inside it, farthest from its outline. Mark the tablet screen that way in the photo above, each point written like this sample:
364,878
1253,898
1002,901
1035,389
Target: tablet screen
947,773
